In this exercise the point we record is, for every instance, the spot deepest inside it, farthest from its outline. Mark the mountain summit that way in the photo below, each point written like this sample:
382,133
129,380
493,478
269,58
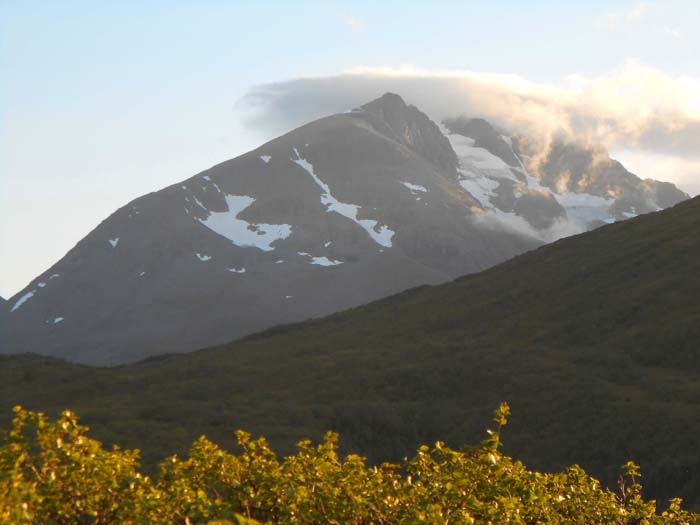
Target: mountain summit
412,128
339,212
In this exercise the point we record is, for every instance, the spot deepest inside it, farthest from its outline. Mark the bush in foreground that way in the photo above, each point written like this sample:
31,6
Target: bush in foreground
52,473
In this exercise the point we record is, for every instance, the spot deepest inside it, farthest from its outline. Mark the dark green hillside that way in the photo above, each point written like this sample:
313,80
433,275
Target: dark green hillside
593,340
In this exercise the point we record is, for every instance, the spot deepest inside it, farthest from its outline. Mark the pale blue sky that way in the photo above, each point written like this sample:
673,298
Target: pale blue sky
101,102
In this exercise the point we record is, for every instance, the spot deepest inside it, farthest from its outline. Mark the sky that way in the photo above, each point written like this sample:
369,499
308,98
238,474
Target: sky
101,102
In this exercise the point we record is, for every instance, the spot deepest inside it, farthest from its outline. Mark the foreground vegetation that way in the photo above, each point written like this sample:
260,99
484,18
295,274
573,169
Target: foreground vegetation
52,473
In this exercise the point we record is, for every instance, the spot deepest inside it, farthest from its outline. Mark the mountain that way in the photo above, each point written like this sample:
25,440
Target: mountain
549,191
342,211
591,339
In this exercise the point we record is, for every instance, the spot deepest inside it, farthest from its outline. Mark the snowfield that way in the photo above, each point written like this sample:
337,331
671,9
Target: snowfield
481,174
381,234
243,233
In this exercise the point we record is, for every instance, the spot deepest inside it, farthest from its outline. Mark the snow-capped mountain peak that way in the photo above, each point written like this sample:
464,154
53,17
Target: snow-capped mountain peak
344,210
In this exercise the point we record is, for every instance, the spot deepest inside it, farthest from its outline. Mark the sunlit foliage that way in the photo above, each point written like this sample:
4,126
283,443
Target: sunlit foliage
53,473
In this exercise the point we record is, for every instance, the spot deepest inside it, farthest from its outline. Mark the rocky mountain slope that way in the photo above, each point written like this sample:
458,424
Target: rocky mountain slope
342,211
591,339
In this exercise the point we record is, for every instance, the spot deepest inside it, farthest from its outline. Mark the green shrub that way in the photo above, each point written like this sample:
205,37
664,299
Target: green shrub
53,473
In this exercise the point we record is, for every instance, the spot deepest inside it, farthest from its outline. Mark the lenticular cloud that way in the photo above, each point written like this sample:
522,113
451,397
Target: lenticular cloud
636,110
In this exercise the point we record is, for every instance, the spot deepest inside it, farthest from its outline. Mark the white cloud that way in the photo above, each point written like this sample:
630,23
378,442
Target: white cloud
614,20
645,18
672,31
638,12
355,23
637,108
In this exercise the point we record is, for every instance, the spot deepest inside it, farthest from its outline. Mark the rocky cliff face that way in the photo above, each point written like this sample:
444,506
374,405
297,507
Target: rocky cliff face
409,126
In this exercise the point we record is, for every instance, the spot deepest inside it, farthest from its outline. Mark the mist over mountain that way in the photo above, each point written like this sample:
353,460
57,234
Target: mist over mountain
641,113
342,211
549,190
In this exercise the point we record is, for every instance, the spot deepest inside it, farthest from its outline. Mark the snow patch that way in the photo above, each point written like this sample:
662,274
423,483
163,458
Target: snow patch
54,275
199,203
280,261
236,270
114,242
203,257
481,189
206,177
349,211
265,158
57,320
414,187
142,274
41,284
23,300
325,261
243,233
476,162
320,261
328,244
480,170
